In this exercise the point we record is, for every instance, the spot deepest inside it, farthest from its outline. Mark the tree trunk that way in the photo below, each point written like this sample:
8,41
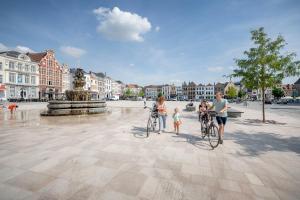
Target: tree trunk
263,104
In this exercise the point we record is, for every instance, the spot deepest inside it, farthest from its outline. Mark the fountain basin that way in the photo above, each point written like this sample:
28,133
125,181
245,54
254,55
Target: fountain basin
60,108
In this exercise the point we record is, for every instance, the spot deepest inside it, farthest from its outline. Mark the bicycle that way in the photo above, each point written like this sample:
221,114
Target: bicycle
210,129
152,120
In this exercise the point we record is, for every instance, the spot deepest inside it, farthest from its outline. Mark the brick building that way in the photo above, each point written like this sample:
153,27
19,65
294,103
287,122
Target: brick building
50,74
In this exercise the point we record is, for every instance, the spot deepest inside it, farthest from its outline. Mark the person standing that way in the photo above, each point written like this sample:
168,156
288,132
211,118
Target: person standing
162,114
221,106
177,120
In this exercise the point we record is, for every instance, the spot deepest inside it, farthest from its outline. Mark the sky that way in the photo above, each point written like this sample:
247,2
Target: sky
148,42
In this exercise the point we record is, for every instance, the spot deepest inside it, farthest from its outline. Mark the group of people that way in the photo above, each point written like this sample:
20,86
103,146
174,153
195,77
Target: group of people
220,106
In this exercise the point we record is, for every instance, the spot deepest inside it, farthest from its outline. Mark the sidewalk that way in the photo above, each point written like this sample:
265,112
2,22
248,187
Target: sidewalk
107,157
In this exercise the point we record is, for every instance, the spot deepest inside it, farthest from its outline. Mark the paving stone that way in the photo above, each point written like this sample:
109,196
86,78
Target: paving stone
30,181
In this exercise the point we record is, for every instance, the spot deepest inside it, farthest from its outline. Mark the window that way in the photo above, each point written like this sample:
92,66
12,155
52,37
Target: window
20,78
1,78
26,79
11,65
0,65
12,91
12,77
20,66
27,68
33,69
33,80
33,92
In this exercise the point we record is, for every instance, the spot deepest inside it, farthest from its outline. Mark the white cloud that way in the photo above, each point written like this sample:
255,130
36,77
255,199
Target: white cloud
131,64
18,48
116,24
3,47
157,28
72,51
215,69
24,49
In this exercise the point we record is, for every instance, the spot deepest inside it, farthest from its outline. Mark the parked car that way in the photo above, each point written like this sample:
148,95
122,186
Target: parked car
268,101
114,98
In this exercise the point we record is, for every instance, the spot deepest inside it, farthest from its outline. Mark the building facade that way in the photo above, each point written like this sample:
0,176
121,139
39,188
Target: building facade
107,83
219,87
189,90
117,88
297,88
179,93
134,88
19,76
50,80
151,92
205,92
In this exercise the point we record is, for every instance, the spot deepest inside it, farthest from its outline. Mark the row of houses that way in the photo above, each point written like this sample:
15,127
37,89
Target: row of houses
39,76
187,91
193,91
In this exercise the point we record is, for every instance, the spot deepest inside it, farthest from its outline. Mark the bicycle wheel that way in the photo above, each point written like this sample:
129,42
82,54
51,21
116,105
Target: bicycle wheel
149,126
213,136
203,128
154,123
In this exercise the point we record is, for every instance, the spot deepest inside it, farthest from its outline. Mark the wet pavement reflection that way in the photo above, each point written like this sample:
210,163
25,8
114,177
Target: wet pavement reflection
33,118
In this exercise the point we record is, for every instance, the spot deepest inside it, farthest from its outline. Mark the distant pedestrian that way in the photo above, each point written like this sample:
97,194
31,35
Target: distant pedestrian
12,107
221,106
145,101
162,114
177,121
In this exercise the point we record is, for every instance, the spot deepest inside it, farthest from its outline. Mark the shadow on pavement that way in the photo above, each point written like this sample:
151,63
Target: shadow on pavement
263,142
139,132
194,140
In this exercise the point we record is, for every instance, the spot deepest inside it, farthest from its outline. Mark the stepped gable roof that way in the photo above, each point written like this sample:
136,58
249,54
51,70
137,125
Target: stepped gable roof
297,82
36,57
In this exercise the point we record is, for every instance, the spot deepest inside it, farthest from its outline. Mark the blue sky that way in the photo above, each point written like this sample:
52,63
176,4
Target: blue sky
148,42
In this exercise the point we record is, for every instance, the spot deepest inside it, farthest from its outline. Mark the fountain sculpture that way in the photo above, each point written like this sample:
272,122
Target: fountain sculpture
78,101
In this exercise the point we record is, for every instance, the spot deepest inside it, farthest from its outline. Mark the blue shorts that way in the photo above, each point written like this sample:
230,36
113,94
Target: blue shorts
221,120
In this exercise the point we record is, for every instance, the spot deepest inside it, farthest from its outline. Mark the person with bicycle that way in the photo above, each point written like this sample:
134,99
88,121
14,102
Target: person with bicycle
162,113
221,106
202,109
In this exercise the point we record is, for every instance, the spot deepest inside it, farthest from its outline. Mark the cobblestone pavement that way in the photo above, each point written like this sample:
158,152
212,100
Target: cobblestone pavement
108,157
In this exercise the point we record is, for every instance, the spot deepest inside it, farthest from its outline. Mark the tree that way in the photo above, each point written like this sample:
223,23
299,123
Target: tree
241,94
141,94
264,66
277,92
232,92
128,92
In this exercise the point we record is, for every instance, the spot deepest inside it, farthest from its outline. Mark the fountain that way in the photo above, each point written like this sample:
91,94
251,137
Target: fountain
78,101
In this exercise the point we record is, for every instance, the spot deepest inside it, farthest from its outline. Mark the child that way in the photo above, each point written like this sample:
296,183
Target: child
12,107
177,121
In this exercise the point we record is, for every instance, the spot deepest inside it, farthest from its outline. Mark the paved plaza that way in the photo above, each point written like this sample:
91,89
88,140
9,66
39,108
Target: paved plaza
108,157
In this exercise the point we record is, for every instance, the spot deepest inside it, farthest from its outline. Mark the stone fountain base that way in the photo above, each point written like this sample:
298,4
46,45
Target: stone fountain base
60,108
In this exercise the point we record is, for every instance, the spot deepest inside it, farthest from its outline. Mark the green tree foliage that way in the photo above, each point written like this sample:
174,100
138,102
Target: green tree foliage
264,66
128,92
241,94
141,93
278,92
232,92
